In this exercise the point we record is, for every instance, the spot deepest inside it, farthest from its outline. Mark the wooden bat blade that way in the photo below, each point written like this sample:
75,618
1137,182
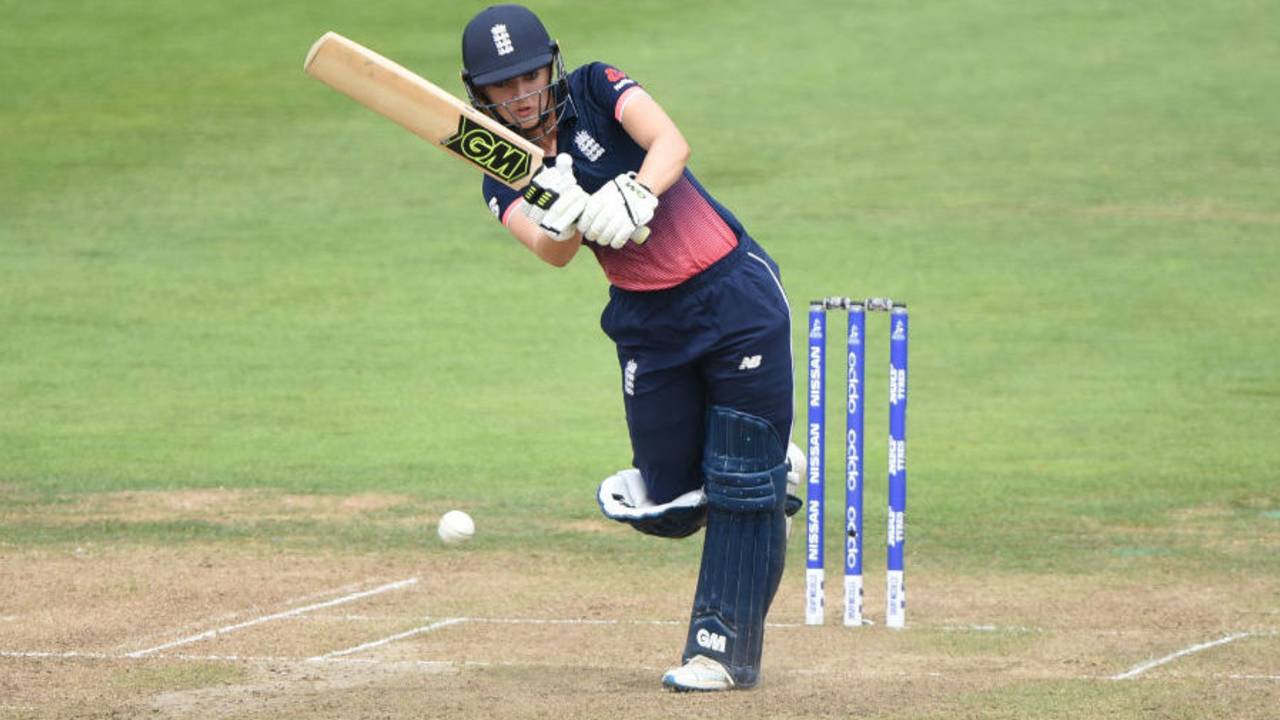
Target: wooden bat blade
426,110
423,108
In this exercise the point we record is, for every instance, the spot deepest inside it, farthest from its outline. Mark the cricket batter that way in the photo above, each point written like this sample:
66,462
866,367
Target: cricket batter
697,312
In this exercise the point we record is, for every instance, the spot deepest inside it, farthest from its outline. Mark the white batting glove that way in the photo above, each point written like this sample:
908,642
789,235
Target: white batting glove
616,210
554,199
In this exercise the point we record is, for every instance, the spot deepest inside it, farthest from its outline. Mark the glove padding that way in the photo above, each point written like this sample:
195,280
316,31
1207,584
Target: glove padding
623,497
615,211
554,199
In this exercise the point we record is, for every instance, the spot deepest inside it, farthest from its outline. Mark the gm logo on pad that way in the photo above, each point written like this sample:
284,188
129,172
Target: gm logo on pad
709,640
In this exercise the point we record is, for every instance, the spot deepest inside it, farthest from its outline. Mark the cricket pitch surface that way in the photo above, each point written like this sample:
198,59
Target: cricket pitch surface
247,630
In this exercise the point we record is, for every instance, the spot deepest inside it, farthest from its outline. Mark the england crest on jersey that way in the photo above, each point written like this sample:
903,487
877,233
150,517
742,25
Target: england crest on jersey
588,146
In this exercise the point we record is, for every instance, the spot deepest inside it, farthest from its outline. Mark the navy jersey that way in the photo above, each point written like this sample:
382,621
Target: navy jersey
690,231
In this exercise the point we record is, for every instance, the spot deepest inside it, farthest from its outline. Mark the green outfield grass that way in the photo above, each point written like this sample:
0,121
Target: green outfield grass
217,273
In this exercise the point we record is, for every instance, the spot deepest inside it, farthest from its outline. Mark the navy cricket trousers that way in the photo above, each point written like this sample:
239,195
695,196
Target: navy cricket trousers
722,337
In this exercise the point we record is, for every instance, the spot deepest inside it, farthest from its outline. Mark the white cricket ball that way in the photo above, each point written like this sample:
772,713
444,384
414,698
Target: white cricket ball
456,527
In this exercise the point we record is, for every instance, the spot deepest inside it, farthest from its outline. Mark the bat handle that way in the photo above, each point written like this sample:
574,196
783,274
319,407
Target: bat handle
640,235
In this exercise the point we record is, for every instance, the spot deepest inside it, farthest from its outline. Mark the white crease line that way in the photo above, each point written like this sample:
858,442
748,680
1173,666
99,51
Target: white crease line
1137,670
74,655
60,655
507,621
277,616
222,658
432,664
521,621
228,615
588,621
568,621
387,640
293,660
1010,629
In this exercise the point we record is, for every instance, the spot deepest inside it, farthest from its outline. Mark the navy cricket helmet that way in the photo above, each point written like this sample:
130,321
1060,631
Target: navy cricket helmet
506,41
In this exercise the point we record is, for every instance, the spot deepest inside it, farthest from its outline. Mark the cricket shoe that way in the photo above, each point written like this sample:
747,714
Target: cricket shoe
700,674
798,465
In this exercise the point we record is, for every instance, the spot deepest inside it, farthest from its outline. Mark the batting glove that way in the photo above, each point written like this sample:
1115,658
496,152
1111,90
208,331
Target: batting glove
554,199
615,211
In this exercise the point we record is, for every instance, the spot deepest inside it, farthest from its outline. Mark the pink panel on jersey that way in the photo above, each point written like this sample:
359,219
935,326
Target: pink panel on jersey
686,236
623,99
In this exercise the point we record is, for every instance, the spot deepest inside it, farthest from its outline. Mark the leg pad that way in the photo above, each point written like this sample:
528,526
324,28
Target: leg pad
742,555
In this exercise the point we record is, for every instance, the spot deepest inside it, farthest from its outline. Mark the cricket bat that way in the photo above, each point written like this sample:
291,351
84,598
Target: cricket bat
427,111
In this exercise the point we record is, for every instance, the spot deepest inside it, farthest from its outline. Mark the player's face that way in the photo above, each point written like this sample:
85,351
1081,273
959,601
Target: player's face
522,99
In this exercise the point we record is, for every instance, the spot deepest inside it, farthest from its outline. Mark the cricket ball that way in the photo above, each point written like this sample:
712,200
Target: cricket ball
456,527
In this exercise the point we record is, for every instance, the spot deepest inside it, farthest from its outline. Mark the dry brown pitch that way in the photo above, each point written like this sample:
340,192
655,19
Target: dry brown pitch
241,630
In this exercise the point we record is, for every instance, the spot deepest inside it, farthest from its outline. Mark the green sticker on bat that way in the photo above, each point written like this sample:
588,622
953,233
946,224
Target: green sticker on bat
479,145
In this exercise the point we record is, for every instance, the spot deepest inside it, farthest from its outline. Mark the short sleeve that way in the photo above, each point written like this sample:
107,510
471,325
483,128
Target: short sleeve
611,89
501,199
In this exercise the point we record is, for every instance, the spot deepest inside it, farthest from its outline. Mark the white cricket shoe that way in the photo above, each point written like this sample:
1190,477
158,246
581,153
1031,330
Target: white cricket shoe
799,465
701,673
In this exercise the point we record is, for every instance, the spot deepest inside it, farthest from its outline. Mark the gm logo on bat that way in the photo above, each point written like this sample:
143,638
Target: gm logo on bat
479,145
